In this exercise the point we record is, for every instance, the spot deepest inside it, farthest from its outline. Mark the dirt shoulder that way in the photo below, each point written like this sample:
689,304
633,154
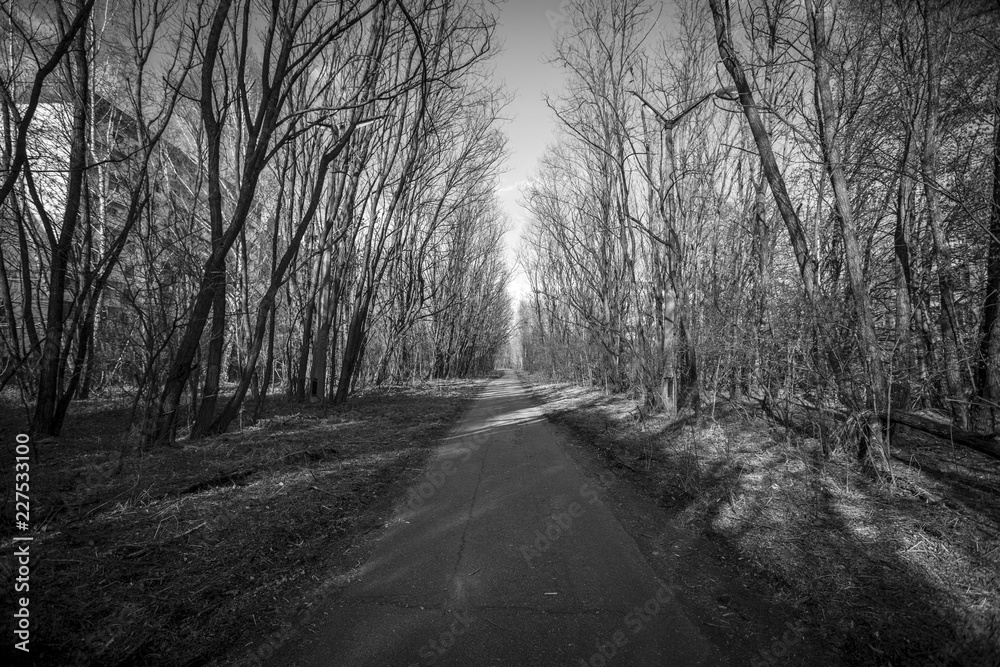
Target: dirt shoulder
209,553
791,558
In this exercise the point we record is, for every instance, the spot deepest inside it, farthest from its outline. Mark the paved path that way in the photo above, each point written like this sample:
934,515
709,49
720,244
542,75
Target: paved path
505,554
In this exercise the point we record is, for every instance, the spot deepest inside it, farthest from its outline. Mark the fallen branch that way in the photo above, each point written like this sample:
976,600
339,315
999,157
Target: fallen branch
146,548
945,431
611,456
234,477
948,432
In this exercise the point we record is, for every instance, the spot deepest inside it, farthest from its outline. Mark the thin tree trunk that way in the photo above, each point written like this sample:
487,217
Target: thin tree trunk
45,421
901,247
338,293
833,159
842,200
321,341
352,348
948,314
302,364
216,350
180,369
808,267
27,287
988,366
267,302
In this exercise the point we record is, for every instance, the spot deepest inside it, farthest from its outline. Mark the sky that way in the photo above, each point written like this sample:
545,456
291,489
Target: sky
527,29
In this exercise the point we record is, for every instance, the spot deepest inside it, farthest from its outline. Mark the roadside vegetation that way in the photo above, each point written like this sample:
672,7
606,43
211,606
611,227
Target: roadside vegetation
764,266
207,554
900,571
247,252
787,202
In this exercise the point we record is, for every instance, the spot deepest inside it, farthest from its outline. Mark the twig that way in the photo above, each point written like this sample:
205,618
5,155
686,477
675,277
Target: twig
186,532
622,463
161,543
496,624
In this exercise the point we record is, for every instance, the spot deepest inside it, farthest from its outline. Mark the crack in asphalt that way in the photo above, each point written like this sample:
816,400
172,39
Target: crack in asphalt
468,518
581,595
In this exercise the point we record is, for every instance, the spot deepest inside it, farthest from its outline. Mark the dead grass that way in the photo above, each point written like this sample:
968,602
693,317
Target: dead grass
190,556
902,573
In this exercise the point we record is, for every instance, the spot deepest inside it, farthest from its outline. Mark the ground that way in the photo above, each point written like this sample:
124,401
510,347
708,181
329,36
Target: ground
201,555
882,572
515,553
187,556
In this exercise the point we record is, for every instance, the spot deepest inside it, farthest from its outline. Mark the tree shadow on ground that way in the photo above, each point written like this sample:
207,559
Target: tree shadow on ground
881,576
161,555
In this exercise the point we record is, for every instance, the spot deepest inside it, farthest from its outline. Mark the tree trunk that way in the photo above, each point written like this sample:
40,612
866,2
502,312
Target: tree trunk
205,300
267,302
321,341
302,365
901,248
216,349
265,384
948,314
163,431
46,419
833,159
988,365
352,348
338,289
808,267
947,432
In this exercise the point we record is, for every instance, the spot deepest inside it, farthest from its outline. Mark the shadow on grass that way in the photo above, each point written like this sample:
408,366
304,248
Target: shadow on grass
177,556
880,576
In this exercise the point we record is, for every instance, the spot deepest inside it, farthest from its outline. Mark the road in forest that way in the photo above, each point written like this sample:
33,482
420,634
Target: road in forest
505,553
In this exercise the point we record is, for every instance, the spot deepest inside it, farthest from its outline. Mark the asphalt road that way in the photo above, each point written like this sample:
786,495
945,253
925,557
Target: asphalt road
504,554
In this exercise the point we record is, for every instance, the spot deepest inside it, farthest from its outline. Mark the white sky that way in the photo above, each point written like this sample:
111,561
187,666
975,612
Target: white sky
527,29
527,33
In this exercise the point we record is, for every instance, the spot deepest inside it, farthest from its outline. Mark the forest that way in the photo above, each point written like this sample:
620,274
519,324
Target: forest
796,203
287,376
287,197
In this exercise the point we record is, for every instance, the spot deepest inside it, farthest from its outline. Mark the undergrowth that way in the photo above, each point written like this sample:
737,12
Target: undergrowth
899,569
193,555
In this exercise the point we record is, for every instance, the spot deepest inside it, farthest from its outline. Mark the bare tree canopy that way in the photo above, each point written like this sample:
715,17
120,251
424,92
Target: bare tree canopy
866,130
206,200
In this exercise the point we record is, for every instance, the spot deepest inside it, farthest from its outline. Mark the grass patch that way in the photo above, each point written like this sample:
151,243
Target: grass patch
884,573
199,554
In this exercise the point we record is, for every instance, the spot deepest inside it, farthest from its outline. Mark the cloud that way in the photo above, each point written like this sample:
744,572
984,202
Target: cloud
513,187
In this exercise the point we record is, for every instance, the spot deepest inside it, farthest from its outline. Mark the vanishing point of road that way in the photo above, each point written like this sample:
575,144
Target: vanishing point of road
504,553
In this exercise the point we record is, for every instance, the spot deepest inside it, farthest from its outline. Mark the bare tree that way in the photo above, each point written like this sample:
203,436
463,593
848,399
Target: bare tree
295,35
112,132
819,14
